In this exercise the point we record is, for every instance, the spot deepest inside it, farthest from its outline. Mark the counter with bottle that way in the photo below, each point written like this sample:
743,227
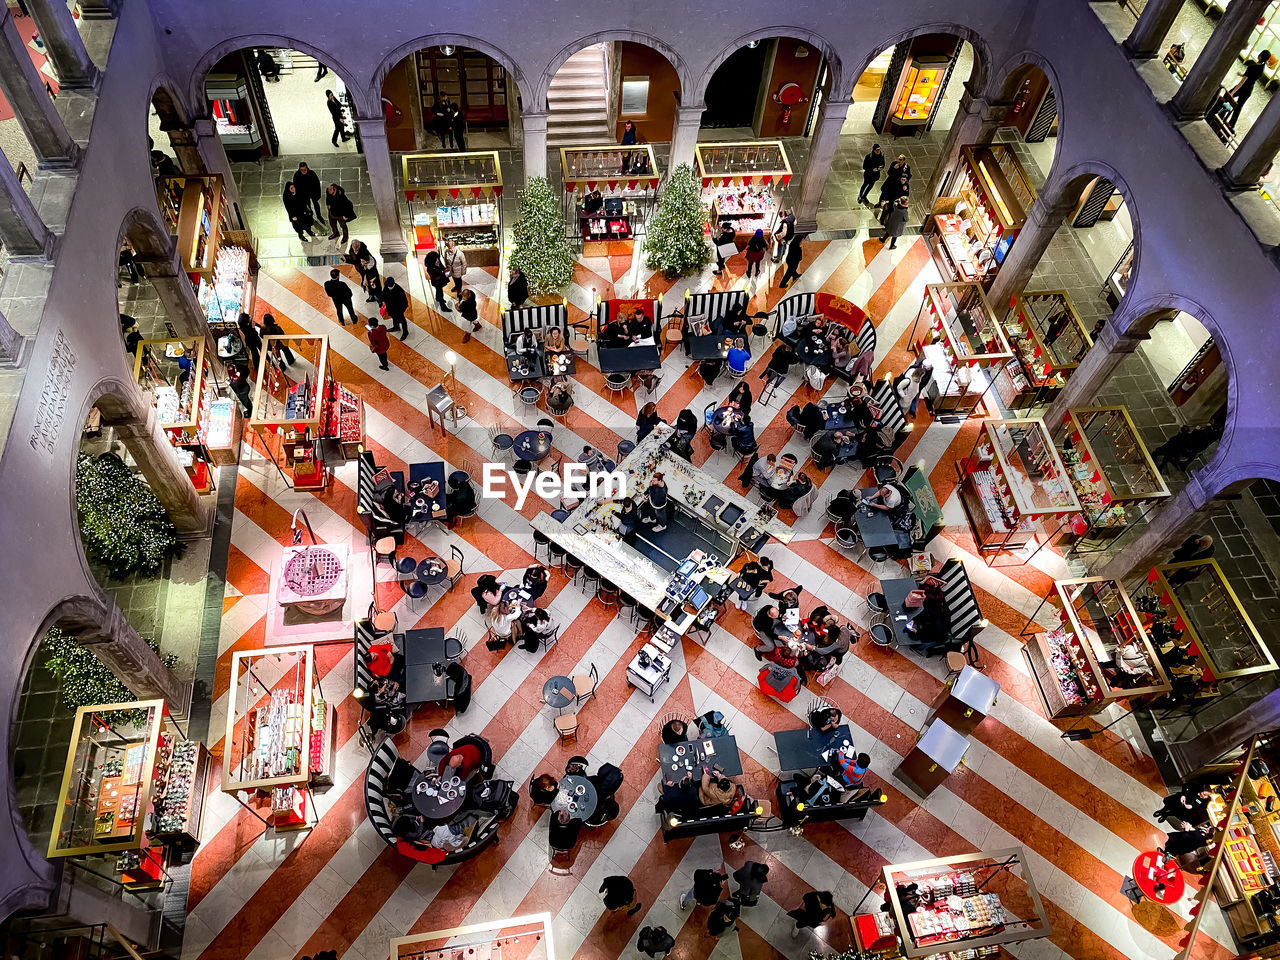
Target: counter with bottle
958,333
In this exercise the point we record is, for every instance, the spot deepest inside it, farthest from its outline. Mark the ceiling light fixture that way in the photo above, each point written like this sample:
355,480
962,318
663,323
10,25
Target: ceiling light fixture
753,44
447,50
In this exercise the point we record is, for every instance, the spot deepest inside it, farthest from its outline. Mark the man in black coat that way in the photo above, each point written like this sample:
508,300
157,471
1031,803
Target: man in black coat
308,184
872,164
335,113
458,124
337,290
340,211
397,302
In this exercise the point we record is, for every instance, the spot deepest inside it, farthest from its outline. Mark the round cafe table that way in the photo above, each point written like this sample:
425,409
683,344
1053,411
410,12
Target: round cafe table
559,692
1151,868
431,571
578,791
449,795
533,445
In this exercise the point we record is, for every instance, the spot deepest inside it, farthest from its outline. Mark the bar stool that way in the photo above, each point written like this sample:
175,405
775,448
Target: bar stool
540,539
647,620
384,622
627,605
572,567
624,449
384,550
556,556
590,580
607,593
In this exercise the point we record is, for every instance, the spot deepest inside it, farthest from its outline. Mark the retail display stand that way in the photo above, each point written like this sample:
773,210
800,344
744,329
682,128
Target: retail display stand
1115,478
744,183
1199,628
1096,654
966,701
627,178
456,196
131,781
194,209
970,903
1014,487
922,79
1049,340
971,229
280,732
956,331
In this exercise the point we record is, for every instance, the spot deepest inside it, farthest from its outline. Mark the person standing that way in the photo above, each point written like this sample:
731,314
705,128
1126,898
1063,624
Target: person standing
795,253
455,261
872,164
238,381
298,211
469,310
340,211
723,918
750,878
895,185
379,343
655,942
706,889
517,288
816,907
619,894
250,338
895,221
397,303
784,234
755,254
726,236
335,113
308,184
440,124
337,290
458,124
438,277
1243,90
271,328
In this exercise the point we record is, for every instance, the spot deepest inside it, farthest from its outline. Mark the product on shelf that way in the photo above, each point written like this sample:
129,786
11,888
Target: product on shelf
226,297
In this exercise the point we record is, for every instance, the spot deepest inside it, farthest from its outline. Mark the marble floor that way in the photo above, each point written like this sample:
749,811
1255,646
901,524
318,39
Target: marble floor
1081,810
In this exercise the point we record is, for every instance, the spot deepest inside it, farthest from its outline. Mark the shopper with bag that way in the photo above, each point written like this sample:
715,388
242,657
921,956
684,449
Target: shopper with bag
395,303
469,310
341,212
755,253
438,277
783,235
298,210
726,246
379,343
455,261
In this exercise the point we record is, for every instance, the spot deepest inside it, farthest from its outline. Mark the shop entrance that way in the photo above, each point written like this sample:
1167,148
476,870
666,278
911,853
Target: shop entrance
734,91
768,89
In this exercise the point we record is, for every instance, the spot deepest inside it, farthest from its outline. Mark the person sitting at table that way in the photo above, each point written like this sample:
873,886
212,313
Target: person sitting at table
764,470
614,334
543,789
739,356
788,599
412,827
388,709
767,622
877,439
826,720
501,621
796,489
680,797
553,341
460,501
562,831
757,574
849,770
786,653
886,499
560,396
486,592
455,835
931,625
717,791
808,419
743,436
780,361
390,506
680,446
463,761
535,625
735,322
639,327
525,344
675,731
740,398
832,447
590,457
647,420
686,423
576,767
839,353
535,581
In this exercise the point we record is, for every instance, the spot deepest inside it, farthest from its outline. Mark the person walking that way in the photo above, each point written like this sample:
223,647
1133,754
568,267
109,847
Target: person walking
438,277
1242,91
517,288
379,343
322,71
784,234
706,889
755,253
341,212
619,894
872,164
298,210
750,878
455,261
723,918
396,302
895,221
458,124
795,253
271,328
1173,448
335,113
816,907
337,290
250,338
308,184
469,310
725,237
655,942
895,186
238,381
367,264
440,124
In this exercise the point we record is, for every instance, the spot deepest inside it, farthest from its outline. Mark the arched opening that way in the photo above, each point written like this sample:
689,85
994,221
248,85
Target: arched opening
768,88
164,116
1031,119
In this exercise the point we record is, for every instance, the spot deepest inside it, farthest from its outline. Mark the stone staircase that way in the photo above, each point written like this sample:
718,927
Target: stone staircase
578,101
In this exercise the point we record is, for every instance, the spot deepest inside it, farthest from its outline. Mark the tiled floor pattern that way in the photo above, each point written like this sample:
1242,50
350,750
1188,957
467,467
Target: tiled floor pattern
1080,809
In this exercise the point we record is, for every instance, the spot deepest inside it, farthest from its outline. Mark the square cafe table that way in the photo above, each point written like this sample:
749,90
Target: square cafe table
724,752
877,529
423,649
711,346
895,594
534,368
803,749
628,359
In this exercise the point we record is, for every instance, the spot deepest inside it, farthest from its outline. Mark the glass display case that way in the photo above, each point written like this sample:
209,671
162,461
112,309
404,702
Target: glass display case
1013,486
918,91
627,180
1118,279
971,229
234,112
456,196
131,779
288,412
1097,653
958,334
1049,340
744,182
194,210
180,381
279,736
230,290
1198,626
968,902
1114,476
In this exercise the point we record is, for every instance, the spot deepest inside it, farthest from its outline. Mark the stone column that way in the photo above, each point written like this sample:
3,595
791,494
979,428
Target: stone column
176,293
155,457
186,148
1256,151
23,87
685,138
1147,38
134,664
213,160
1149,546
1043,220
62,41
22,231
535,144
976,122
822,151
1104,357
1217,60
386,199
11,344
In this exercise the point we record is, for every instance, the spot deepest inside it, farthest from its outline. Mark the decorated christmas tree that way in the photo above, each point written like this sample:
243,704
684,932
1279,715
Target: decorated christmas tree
85,680
676,241
123,526
541,250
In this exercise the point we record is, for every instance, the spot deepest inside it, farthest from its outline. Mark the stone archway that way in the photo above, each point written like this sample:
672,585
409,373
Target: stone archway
683,72
157,256
818,42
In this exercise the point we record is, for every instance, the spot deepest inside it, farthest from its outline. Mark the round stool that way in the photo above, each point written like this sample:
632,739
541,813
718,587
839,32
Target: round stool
540,539
590,580
384,548
406,565
555,555
572,567
627,605
384,622
607,594
881,635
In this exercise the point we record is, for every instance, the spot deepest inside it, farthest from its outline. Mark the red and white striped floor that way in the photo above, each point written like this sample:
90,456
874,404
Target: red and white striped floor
1081,810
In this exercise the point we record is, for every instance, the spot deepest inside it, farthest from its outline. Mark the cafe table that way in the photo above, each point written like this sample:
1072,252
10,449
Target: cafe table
803,749
437,798
577,795
678,760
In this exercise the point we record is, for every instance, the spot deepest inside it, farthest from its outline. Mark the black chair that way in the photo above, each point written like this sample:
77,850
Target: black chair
882,636
454,648
607,593
522,467
556,555
590,580
549,640
540,539
627,605
572,567
413,589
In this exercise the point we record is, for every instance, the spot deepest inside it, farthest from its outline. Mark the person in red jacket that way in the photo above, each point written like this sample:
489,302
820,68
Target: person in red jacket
378,341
